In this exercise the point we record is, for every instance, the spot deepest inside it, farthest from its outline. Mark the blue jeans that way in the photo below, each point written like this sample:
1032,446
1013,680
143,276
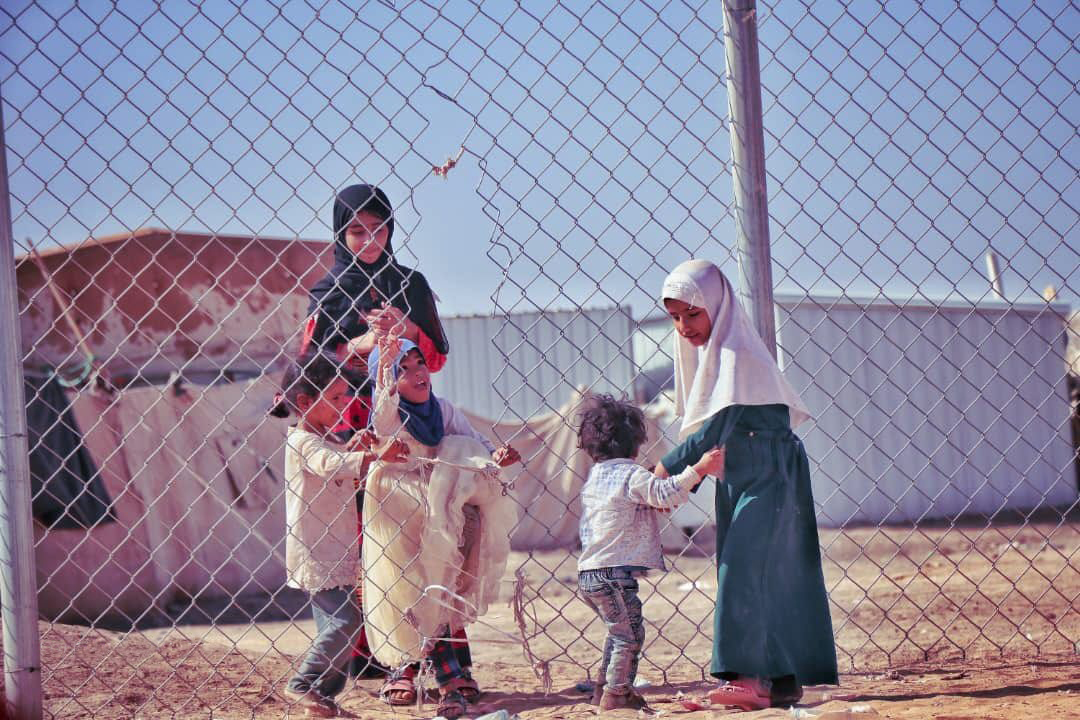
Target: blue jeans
326,665
613,593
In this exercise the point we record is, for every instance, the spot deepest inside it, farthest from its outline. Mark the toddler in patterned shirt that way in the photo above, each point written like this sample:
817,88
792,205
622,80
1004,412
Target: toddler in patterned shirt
620,534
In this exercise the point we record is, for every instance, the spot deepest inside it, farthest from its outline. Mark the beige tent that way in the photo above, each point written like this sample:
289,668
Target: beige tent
198,489
196,482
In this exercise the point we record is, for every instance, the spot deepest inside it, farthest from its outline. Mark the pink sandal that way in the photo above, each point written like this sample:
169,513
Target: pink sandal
745,693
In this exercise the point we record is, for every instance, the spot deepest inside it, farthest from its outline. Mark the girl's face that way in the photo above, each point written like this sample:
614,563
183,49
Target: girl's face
366,236
691,322
414,380
324,412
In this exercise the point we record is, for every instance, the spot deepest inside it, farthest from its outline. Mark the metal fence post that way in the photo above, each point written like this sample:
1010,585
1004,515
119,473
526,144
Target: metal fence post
748,166
22,645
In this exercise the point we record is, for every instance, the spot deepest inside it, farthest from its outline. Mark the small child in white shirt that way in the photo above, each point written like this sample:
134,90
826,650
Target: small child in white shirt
620,534
321,545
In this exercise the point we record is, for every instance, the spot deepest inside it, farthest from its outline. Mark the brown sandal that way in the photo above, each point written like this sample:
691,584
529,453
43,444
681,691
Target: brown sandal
452,704
398,692
468,687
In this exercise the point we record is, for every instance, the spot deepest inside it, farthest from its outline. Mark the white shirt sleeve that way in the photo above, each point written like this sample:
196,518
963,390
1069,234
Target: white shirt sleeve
666,493
455,423
385,419
326,461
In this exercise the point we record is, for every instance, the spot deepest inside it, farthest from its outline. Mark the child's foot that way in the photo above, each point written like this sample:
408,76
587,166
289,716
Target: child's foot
468,687
745,693
618,701
398,692
452,704
597,693
312,703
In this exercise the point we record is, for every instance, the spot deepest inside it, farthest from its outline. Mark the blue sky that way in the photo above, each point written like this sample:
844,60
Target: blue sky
903,139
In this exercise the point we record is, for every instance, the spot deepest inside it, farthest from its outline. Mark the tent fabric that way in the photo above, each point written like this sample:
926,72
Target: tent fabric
548,484
197,481
66,488
197,486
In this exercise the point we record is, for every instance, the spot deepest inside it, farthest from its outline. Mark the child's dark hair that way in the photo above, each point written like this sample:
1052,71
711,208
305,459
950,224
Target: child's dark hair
309,375
610,428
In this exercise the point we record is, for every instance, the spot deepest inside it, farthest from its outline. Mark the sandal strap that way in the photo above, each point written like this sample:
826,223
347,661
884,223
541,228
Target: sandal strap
457,684
452,699
399,684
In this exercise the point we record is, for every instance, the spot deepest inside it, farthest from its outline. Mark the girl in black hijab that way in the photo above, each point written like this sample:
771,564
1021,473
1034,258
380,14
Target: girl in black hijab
368,292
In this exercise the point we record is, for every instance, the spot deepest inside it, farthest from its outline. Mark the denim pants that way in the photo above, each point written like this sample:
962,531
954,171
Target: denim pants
613,593
326,665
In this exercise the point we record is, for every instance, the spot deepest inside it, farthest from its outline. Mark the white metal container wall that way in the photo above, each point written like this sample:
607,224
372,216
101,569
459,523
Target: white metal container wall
925,411
547,355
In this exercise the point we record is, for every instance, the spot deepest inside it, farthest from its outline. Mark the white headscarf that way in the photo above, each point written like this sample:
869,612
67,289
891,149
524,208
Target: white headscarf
733,367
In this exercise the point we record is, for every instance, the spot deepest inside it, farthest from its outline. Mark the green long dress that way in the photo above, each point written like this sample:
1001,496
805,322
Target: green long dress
772,613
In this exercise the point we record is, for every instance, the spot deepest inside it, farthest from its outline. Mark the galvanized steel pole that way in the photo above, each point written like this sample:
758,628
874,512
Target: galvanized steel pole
748,166
18,585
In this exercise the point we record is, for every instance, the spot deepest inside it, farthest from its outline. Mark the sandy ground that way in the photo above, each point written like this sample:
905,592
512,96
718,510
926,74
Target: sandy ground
988,629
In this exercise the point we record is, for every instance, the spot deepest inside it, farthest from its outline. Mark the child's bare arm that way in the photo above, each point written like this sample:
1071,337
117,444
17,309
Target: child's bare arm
362,440
395,451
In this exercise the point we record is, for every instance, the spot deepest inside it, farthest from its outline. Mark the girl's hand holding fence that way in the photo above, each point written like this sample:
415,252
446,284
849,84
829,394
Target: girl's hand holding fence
389,320
361,441
389,347
505,456
396,451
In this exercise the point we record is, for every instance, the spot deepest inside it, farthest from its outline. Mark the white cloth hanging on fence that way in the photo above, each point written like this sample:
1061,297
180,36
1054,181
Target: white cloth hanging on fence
416,579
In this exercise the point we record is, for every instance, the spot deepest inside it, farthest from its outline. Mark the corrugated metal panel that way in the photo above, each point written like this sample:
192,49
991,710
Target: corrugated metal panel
512,367
653,344
924,412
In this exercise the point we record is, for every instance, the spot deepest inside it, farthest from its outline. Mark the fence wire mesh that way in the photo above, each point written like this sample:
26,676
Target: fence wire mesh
548,163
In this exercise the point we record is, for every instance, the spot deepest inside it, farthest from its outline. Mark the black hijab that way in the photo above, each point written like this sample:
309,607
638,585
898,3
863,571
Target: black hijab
352,288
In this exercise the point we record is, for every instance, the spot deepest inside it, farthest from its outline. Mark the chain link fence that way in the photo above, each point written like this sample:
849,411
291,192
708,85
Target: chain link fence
170,172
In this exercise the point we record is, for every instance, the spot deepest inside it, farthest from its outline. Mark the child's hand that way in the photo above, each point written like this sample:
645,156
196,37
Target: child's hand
361,441
389,348
396,451
505,456
712,463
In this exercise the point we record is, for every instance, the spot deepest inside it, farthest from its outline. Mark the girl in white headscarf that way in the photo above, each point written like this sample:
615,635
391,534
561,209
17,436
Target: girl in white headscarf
771,630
